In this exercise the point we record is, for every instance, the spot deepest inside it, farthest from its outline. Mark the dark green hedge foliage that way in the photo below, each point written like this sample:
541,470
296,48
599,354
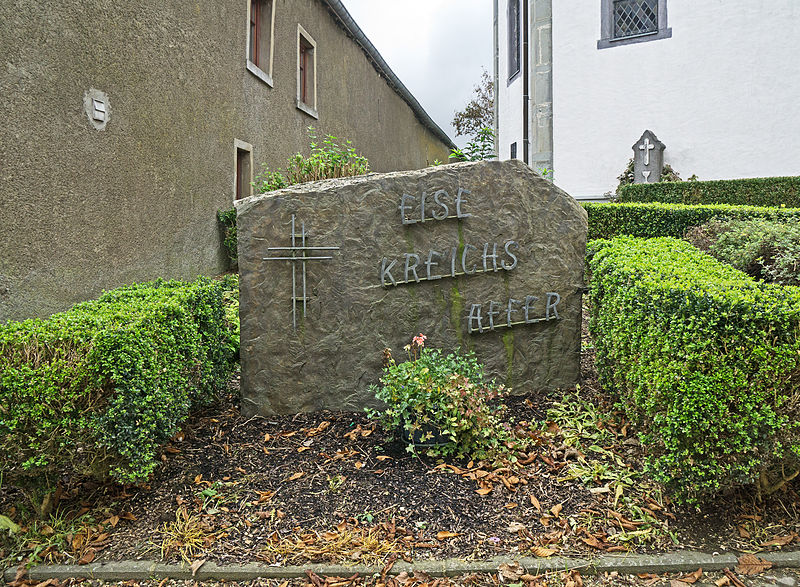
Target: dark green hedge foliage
99,388
762,191
650,220
706,362
227,221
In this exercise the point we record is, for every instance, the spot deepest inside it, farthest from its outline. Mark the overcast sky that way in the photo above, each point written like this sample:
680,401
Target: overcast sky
436,48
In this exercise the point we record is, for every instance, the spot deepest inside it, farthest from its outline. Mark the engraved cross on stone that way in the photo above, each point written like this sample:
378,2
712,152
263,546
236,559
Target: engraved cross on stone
646,147
299,254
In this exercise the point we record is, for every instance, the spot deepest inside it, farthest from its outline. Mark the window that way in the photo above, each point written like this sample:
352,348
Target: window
244,169
306,73
514,150
261,25
632,21
514,44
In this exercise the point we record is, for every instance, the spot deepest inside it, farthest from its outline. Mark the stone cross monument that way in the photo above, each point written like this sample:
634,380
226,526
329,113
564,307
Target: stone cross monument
648,159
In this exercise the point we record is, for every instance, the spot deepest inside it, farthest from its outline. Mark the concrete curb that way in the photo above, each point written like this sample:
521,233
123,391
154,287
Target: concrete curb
676,562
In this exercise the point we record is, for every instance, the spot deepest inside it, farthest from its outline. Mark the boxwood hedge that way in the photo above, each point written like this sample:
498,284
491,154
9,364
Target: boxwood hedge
706,362
761,191
99,388
655,219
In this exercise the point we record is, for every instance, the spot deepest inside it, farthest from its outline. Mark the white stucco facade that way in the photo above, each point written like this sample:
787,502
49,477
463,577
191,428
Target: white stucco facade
722,92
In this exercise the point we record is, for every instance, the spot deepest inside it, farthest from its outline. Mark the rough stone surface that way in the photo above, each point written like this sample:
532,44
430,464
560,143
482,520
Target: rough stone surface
335,353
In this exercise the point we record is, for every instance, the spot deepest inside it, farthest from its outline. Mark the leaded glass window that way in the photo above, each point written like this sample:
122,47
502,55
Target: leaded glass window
635,17
513,38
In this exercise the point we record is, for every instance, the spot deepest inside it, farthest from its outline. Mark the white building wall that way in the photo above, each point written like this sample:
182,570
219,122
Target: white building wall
508,95
723,93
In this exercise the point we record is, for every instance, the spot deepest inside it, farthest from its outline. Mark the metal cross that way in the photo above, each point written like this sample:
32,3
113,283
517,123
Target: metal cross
299,254
647,147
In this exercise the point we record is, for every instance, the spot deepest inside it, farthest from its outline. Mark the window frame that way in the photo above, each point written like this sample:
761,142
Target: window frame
241,180
607,39
514,41
306,49
262,71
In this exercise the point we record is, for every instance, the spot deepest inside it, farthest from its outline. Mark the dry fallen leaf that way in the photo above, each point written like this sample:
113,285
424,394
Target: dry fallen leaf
692,577
556,509
677,583
510,573
542,552
749,564
573,579
296,476
722,581
515,527
445,534
359,464
535,503
196,565
743,533
383,458
484,491
87,557
593,542
303,448
780,540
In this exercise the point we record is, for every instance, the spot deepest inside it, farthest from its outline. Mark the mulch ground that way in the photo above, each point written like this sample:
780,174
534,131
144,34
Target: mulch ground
333,487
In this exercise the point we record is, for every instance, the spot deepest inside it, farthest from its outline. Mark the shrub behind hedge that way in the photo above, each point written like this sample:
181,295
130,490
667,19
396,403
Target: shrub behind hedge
99,388
648,220
705,360
761,191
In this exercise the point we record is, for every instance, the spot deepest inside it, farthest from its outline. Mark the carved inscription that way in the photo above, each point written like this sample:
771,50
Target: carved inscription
464,260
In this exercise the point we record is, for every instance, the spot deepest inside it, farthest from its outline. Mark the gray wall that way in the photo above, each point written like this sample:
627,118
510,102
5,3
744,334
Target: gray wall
83,210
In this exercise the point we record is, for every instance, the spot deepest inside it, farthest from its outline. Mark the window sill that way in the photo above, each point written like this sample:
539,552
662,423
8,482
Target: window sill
307,109
655,36
259,73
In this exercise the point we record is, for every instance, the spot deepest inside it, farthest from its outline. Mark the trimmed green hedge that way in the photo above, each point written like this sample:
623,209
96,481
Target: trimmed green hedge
654,219
761,191
99,388
706,362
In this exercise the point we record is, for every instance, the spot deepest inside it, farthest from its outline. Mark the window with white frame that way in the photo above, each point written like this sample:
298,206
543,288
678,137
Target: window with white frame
632,21
260,38
306,73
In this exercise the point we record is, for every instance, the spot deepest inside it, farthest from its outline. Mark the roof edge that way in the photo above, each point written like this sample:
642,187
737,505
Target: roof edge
351,27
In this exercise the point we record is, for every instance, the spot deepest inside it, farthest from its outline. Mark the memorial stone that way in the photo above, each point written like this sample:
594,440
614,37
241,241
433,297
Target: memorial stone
482,256
648,159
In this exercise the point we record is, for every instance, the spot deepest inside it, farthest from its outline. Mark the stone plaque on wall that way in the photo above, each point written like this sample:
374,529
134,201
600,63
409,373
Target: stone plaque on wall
482,256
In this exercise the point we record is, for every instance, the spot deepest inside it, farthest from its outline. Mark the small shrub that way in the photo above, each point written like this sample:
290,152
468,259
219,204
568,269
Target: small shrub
762,191
443,395
706,362
97,390
763,249
480,148
627,177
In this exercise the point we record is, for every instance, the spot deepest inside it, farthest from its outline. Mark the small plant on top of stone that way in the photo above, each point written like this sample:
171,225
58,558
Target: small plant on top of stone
329,159
443,405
